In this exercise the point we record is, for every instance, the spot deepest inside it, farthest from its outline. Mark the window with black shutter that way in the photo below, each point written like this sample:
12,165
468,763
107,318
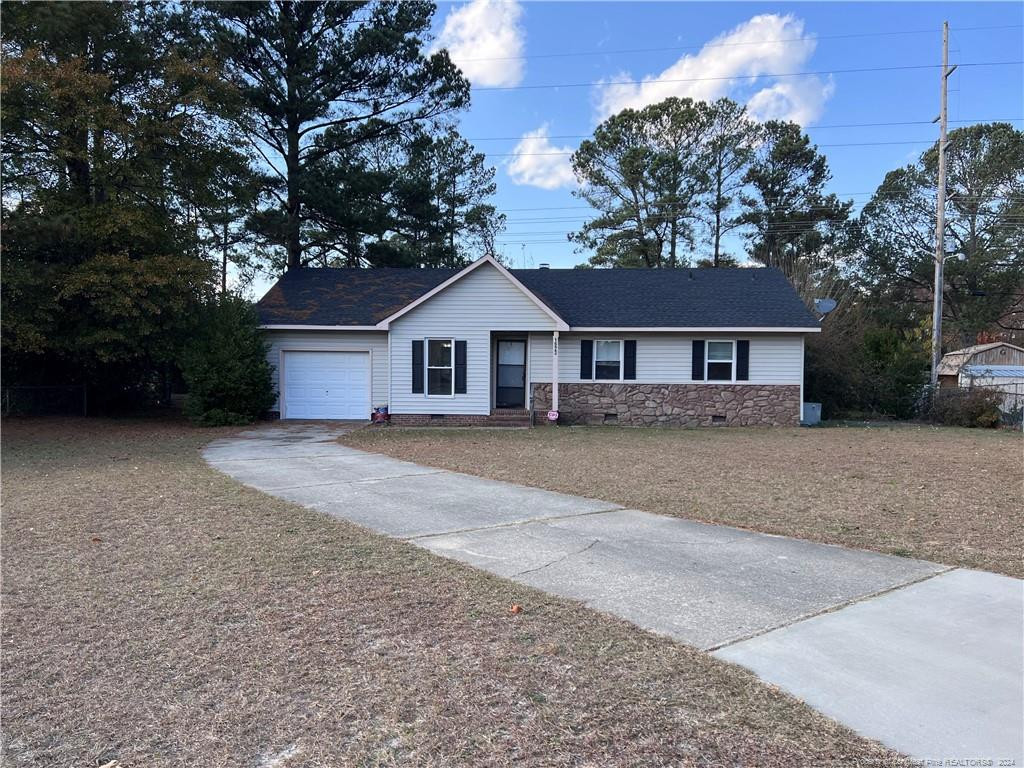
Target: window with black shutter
586,359
742,360
417,366
697,361
460,367
629,359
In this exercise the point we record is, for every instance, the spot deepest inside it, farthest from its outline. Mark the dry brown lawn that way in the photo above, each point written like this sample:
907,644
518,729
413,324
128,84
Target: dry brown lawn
157,613
955,496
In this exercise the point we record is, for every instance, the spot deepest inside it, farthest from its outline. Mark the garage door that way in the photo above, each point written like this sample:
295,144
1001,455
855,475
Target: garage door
326,385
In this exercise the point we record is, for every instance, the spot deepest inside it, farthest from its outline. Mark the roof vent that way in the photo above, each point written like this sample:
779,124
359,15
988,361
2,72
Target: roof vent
545,265
691,274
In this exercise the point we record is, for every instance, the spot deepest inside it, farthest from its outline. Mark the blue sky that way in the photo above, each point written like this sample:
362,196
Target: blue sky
507,47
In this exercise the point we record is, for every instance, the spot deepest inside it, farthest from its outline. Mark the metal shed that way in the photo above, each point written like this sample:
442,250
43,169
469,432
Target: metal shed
998,366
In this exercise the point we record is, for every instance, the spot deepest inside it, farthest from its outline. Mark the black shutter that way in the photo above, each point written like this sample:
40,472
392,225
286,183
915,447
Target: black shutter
586,359
697,365
417,366
629,364
742,360
460,367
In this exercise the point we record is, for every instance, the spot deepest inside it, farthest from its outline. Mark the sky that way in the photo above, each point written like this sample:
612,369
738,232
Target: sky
544,74
512,51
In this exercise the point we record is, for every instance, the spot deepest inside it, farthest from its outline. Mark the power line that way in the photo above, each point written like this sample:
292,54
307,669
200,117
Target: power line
769,230
838,194
809,127
1009,220
845,144
588,211
806,38
854,70
798,223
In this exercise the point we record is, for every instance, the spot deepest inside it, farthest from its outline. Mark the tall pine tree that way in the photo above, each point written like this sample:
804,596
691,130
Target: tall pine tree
321,81
792,223
645,173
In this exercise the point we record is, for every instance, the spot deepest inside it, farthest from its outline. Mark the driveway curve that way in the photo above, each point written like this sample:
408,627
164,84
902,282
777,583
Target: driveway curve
829,624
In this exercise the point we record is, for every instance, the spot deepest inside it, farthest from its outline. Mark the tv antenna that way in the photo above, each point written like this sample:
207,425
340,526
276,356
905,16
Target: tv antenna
824,306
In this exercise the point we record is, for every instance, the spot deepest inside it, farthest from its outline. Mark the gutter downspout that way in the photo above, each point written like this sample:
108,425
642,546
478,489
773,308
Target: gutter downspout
803,355
554,376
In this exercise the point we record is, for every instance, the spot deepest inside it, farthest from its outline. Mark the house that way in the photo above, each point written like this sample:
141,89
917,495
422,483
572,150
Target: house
998,366
488,345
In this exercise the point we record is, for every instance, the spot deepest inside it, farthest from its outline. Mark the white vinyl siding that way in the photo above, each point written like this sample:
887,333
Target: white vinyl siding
664,358
776,360
469,309
375,342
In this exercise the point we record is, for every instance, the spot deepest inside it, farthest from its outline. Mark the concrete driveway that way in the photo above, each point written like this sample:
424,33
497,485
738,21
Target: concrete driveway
924,658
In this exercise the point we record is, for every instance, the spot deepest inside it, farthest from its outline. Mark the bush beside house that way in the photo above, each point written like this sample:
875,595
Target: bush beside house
859,366
225,366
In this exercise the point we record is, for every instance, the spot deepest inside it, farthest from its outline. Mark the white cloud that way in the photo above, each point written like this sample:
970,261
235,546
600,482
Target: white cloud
537,164
482,38
800,99
727,66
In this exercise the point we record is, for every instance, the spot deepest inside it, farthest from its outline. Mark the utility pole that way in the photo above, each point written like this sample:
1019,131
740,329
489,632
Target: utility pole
940,218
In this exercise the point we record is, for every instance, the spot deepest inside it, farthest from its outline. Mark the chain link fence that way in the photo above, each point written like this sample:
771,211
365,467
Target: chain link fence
1011,397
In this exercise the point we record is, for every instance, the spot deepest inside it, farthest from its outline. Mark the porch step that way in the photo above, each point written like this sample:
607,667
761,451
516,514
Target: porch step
509,417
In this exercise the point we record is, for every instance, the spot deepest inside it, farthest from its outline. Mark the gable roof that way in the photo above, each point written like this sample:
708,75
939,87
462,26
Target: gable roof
502,270
759,298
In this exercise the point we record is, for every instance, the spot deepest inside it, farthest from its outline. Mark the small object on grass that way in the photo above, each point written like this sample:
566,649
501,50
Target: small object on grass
515,608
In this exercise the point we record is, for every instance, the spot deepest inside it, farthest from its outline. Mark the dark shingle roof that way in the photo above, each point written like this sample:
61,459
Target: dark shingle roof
670,298
627,298
344,296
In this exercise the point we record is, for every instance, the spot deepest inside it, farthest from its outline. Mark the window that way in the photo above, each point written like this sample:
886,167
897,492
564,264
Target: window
608,360
719,361
440,367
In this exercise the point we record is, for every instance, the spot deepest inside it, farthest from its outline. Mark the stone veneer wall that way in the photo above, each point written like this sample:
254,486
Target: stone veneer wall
684,405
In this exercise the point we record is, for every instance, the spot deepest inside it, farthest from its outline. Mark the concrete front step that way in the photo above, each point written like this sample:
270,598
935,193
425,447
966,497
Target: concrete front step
509,417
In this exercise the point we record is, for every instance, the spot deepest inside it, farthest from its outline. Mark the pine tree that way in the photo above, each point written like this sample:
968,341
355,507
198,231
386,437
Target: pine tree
322,80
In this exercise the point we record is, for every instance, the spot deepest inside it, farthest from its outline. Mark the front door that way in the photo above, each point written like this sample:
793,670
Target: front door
511,383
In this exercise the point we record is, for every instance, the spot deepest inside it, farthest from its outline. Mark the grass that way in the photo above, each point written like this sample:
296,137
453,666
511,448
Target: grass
942,494
157,613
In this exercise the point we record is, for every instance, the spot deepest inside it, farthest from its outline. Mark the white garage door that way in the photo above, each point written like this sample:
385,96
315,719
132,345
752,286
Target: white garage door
326,385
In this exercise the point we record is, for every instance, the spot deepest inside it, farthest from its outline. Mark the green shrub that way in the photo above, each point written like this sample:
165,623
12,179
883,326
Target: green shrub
857,366
965,408
225,366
